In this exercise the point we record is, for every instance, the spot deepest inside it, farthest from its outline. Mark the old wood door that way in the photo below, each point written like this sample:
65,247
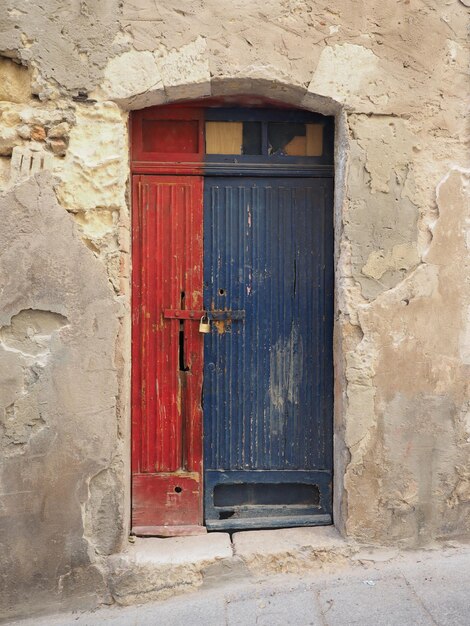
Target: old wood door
233,218
167,351
268,369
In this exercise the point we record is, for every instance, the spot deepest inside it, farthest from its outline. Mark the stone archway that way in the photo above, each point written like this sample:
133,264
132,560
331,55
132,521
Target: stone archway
238,89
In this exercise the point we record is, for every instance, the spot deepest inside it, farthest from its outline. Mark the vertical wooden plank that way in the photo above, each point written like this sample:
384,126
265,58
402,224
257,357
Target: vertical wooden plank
147,320
193,339
136,348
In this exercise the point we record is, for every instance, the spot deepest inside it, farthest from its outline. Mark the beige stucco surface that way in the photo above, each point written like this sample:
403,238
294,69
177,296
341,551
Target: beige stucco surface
395,76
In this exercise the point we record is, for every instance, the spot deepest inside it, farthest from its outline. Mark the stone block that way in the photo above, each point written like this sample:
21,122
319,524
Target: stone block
58,146
15,81
27,161
38,133
182,550
60,131
350,74
290,549
95,168
185,72
8,140
154,569
130,74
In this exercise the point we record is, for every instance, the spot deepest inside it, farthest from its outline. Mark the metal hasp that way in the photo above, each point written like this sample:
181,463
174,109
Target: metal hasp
183,314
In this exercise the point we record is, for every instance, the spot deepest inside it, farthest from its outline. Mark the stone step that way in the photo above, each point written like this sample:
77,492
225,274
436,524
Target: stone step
155,569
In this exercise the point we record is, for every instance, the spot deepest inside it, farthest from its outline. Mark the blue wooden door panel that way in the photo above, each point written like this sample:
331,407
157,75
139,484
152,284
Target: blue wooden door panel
268,377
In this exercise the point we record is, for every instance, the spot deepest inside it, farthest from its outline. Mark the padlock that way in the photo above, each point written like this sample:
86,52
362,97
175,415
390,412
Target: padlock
204,324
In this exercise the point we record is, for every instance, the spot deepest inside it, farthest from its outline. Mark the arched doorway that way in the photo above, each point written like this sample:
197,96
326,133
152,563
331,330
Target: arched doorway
233,223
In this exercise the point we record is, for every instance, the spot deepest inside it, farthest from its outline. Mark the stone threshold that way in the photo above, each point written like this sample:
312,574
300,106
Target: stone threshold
155,569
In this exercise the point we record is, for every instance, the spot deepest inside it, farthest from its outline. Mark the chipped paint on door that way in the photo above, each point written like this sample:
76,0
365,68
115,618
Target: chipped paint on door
268,275
268,377
167,355
286,370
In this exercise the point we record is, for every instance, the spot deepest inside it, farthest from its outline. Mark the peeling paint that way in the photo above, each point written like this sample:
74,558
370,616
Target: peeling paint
286,358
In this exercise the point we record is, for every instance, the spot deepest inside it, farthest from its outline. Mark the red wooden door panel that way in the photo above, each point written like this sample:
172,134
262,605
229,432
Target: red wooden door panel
167,355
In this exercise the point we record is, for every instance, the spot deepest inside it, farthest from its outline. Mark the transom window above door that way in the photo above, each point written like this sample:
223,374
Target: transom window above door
218,139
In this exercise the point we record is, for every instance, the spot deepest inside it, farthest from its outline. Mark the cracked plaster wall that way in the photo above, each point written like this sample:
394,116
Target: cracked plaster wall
394,74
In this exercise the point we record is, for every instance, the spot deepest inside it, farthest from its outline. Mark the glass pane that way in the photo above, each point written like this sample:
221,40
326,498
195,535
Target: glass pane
287,139
224,137
295,139
314,140
251,137
170,136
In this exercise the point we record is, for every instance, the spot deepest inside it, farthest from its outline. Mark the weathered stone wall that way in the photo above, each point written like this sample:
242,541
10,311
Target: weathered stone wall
394,74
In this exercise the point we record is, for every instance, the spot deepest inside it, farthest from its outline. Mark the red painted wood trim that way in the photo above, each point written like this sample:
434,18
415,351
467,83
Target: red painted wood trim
136,348
171,114
169,531
166,167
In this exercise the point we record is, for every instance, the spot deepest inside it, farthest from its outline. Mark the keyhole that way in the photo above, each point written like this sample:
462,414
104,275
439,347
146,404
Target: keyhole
221,292
178,489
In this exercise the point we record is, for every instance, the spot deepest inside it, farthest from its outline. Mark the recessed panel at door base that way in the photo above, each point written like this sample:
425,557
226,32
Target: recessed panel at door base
267,394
